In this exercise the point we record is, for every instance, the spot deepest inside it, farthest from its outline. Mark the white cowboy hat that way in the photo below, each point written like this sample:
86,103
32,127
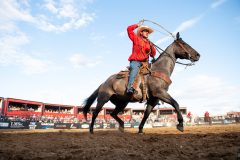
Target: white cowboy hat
141,28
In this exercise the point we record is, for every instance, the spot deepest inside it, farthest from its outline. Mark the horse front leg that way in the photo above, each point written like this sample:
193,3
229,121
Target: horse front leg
165,97
150,105
180,126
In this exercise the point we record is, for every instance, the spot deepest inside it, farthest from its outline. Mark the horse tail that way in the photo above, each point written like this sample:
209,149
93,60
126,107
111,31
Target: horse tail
89,101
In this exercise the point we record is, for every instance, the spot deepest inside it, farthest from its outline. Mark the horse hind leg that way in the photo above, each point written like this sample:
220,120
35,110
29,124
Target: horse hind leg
150,105
95,114
119,107
145,117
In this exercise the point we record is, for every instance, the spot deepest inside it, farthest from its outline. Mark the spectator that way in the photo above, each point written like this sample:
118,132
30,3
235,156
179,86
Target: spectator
189,116
207,117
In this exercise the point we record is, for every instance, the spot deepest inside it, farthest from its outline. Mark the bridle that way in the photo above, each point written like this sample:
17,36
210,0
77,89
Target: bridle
173,58
186,51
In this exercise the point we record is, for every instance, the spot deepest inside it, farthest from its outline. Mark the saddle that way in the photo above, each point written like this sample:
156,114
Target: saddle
139,83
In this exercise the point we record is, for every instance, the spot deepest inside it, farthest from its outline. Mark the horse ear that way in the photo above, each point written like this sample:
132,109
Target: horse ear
178,35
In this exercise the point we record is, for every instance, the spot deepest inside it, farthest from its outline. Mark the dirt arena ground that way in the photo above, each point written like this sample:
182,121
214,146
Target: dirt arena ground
198,142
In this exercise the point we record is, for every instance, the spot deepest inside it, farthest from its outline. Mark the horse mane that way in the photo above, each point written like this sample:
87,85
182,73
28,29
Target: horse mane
162,53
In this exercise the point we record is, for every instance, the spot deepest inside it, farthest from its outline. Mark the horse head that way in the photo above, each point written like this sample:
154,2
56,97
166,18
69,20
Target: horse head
184,50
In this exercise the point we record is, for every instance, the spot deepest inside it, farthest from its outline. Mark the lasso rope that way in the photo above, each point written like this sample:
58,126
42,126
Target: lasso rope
173,36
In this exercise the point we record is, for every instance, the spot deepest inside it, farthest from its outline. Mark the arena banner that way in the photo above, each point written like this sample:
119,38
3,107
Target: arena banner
19,125
66,125
127,125
43,125
157,124
84,125
32,125
106,125
98,125
109,125
74,125
136,124
61,126
229,121
217,122
4,125
147,125
202,123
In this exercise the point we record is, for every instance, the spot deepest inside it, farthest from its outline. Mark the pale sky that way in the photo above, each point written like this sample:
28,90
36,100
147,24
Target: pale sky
60,51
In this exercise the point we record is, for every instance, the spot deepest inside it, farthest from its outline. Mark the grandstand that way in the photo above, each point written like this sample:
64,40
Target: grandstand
26,114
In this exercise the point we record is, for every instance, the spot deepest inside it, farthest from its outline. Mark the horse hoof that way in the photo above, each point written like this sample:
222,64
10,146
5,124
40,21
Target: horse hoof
140,132
91,131
121,129
180,128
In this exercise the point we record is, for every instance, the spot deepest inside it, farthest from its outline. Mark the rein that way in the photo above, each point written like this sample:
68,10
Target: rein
174,59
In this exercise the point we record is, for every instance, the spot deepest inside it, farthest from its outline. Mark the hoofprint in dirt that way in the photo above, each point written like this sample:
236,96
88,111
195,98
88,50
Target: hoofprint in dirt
198,142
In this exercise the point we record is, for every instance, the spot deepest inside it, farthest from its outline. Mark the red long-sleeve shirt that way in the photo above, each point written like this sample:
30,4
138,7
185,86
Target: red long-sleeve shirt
141,48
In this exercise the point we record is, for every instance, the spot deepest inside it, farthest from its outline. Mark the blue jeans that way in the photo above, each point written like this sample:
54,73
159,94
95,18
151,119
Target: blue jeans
134,67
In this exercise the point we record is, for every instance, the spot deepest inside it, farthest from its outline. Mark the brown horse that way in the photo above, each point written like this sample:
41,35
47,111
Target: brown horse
157,84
